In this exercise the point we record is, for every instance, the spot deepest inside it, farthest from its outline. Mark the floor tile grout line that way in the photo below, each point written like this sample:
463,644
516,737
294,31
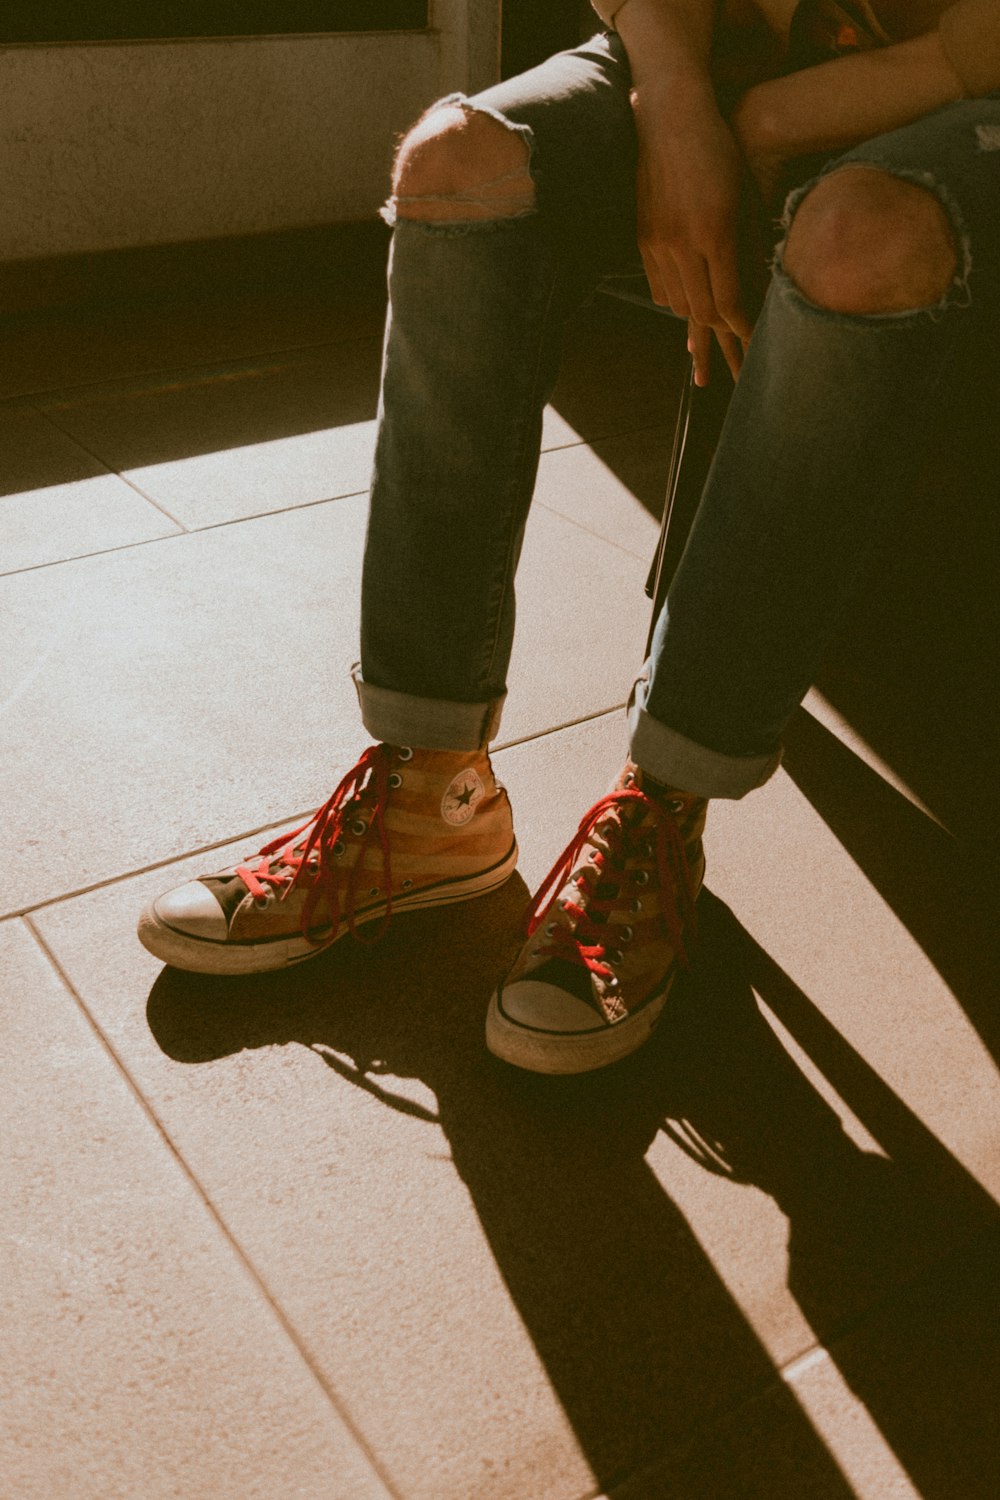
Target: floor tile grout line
189,531
241,1255
45,416
153,541
60,562
854,1324
589,531
782,1378
541,734
597,438
25,912
157,864
199,364
700,1428
38,401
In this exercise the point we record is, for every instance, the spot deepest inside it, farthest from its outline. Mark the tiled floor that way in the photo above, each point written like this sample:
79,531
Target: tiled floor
299,1236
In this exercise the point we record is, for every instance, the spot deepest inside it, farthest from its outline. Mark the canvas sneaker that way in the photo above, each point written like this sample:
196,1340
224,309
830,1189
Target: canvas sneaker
607,932
405,829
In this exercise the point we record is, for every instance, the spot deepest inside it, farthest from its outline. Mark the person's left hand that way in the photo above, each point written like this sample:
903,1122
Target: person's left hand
761,201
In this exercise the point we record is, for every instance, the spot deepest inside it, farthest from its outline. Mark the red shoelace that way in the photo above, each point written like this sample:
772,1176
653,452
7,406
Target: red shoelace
592,937
314,863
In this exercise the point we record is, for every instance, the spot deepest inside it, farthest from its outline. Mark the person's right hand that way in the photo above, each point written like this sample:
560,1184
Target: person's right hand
690,191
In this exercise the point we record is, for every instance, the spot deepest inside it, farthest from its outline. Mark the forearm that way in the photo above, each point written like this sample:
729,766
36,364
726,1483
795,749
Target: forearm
689,169
837,104
666,40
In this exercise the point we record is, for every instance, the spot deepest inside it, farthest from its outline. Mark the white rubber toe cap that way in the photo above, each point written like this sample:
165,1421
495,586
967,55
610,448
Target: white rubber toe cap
546,1007
194,910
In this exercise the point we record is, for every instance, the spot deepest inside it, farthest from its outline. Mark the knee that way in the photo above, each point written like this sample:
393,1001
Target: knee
863,241
458,163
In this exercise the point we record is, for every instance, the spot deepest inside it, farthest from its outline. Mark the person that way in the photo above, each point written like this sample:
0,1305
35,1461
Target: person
675,130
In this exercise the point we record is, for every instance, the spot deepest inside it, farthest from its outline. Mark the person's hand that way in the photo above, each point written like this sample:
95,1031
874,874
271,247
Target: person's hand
761,176
689,192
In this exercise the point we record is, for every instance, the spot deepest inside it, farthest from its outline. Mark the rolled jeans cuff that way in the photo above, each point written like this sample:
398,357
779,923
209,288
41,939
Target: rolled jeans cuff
672,758
426,723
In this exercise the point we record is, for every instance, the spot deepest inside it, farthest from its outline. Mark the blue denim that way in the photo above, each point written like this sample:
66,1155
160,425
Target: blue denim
818,452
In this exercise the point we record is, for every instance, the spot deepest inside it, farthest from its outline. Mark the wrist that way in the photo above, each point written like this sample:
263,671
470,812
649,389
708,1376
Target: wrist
667,39
675,33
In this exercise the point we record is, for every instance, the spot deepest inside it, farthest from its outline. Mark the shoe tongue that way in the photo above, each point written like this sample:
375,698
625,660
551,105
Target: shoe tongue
624,819
228,890
598,836
566,976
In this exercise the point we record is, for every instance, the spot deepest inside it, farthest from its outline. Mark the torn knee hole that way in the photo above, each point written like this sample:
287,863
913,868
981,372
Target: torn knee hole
867,242
460,163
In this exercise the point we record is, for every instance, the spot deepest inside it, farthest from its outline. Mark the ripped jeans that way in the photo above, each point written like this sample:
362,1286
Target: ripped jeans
821,441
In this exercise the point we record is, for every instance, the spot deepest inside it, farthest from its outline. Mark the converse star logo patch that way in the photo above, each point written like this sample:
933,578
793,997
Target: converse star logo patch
459,802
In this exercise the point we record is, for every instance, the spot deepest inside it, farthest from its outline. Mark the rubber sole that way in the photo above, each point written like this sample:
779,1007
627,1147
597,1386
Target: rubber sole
556,1052
200,956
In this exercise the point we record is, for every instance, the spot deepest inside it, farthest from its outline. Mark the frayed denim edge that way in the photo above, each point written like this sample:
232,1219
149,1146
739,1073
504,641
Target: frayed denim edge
958,294
453,227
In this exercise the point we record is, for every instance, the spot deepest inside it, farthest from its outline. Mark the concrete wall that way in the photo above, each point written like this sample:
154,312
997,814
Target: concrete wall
109,145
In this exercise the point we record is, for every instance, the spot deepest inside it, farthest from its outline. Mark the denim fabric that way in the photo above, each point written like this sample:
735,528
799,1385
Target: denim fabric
819,448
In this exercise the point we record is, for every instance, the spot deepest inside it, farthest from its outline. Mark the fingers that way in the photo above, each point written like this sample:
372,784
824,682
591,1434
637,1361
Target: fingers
727,294
699,344
700,348
708,292
732,351
695,278
665,285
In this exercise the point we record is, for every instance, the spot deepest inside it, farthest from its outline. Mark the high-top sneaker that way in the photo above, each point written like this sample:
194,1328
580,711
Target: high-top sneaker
610,926
404,829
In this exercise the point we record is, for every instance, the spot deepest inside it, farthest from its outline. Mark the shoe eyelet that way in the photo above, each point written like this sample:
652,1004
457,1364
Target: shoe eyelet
536,952
626,934
594,856
612,982
395,780
635,906
359,828
374,890
338,848
404,753
406,885
676,804
261,901
630,779
551,929
641,877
